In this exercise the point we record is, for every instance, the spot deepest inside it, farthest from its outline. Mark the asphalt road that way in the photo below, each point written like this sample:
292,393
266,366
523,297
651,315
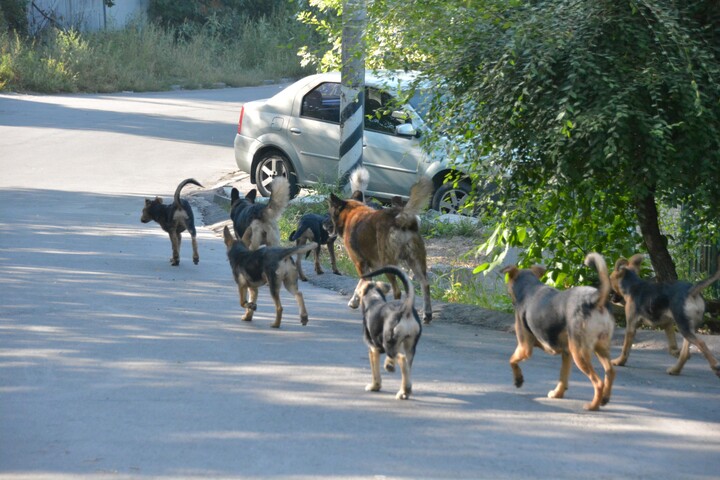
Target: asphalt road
115,365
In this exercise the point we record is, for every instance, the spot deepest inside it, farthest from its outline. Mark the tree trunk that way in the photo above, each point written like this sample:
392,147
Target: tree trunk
655,242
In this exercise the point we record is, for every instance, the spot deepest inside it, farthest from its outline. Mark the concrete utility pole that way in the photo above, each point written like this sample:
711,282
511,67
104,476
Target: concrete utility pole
352,93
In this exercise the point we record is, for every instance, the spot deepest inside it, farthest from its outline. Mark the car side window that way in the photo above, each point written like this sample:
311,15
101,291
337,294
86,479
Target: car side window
322,103
379,108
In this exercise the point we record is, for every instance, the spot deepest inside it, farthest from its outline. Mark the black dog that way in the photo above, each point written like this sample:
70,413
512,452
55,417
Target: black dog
174,219
313,227
662,304
272,265
256,224
392,328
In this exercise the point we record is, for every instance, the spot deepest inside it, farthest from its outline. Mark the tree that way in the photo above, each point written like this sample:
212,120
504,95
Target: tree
588,115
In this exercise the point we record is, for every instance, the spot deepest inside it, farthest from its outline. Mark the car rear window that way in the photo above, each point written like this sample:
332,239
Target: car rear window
322,103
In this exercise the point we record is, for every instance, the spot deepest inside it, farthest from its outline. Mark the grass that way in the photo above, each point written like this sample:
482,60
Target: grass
147,57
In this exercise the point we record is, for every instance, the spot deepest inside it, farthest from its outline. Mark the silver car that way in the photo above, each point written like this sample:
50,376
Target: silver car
296,134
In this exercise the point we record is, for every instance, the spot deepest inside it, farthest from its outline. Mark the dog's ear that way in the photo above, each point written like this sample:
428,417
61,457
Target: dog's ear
250,197
148,202
511,271
538,271
158,200
621,262
228,237
635,262
234,195
335,202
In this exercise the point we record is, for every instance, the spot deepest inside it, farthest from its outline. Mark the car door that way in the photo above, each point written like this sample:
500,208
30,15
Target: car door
391,159
315,133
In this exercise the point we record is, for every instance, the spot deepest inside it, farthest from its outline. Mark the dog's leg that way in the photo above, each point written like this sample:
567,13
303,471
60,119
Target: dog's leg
250,306
523,351
583,360
689,338
175,242
333,261
427,314
559,391
298,264
631,325
389,364
196,256
318,267
406,383
374,355
603,354
672,340
682,358
291,285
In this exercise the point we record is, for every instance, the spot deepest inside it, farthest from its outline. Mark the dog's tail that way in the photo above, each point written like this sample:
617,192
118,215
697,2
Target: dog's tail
279,198
410,292
419,199
604,291
176,199
289,251
359,181
700,286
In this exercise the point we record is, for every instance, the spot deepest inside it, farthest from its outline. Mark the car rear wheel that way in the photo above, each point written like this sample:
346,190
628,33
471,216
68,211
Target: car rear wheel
450,198
271,165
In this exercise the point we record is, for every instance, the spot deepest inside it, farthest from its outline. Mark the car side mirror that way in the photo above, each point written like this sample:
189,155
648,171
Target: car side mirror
406,130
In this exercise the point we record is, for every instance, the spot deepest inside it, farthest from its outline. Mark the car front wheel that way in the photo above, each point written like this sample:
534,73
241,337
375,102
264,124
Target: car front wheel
450,198
271,165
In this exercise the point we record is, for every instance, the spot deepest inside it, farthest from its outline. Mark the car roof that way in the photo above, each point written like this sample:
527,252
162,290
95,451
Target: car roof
393,80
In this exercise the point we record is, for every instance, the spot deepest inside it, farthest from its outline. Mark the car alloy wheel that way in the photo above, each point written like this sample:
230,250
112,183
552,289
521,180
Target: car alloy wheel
270,166
450,198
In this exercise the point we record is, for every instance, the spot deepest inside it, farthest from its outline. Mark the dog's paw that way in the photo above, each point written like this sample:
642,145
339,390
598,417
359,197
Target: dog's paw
402,395
174,262
251,306
427,318
303,278
673,371
196,260
519,381
557,393
304,319
605,401
337,272
275,325
372,387
389,365
590,407
717,370
619,362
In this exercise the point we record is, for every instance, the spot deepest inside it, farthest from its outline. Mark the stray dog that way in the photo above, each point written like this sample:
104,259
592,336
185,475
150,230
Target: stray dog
256,224
273,266
573,322
390,236
661,304
174,219
392,328
315,228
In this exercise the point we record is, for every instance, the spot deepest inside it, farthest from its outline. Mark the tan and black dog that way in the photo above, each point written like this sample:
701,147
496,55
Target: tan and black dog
576,322
661,305
257,223
313,227
273,266
174,219
389,236
392,328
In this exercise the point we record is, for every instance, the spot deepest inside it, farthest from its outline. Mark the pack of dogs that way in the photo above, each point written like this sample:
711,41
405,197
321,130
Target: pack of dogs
575,323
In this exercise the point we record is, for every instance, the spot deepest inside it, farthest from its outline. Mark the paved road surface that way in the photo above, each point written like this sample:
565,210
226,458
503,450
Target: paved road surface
115,365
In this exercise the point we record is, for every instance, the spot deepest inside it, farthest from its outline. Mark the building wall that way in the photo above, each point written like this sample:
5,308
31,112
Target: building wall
84,15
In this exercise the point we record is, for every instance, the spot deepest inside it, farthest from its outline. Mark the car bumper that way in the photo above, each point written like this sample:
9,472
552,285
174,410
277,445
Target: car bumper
245,148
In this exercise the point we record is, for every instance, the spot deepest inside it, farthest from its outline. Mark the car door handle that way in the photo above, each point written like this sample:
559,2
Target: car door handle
295,130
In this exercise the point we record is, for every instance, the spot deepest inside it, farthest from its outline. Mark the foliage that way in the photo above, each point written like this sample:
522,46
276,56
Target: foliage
148,57
13,16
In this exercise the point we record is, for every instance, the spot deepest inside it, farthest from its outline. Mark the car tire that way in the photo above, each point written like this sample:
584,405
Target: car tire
271,165
449,198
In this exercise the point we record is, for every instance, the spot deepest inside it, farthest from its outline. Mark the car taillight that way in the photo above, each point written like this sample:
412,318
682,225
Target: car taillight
242,112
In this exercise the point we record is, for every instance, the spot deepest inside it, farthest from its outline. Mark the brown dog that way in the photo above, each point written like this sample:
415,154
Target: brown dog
573,322
661,305
390,236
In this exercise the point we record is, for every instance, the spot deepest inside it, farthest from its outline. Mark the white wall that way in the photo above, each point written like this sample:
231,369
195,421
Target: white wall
85,15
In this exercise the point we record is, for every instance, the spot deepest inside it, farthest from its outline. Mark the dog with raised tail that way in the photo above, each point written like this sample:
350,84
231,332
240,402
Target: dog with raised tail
389,236
576,322
661,305
174,219
273,266
256,224
392,328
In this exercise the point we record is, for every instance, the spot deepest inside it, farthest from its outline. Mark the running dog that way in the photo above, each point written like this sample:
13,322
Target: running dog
315,228
661,304
174,219
273,266
392,328
256,224
574,322
389,236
